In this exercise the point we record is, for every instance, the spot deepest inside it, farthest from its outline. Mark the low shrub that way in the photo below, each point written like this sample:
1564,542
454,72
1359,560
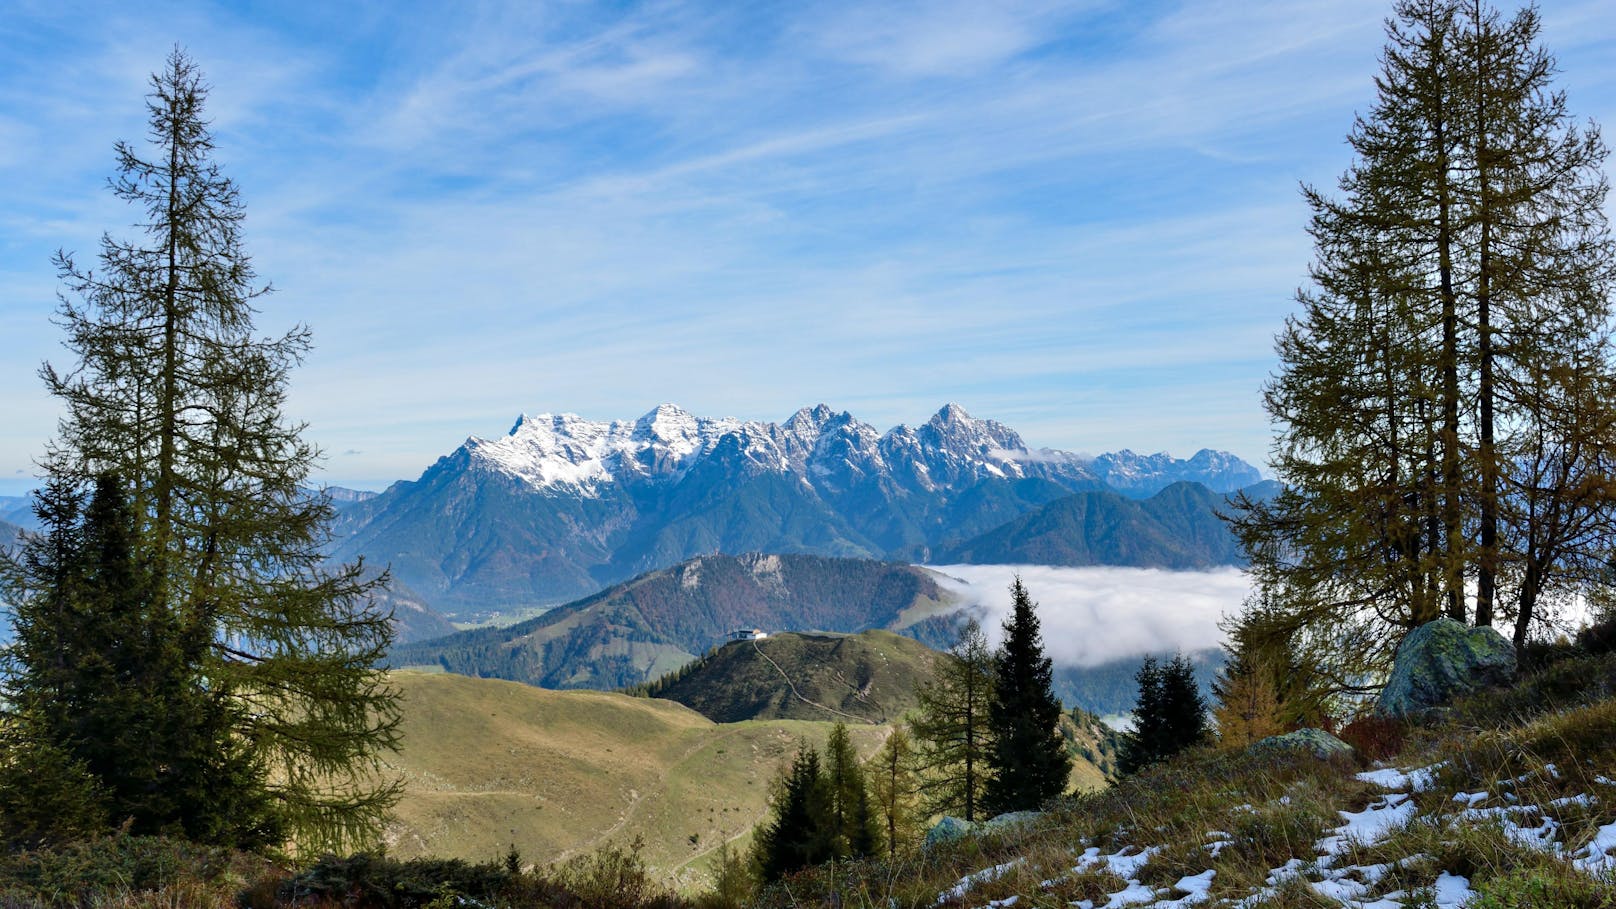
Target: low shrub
114,868
370,880
1375,738
1545,888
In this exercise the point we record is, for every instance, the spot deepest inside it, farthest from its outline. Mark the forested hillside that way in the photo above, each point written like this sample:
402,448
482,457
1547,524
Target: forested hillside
635,632
1177,528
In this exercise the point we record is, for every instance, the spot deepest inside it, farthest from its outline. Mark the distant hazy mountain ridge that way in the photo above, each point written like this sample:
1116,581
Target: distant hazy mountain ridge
10,535
1177,528
561,506
637,631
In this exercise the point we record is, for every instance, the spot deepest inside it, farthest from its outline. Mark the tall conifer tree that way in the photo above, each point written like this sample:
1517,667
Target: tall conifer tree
1029,758
1169,717
952,730
104,677
1447,434
801,831
852,817
175,394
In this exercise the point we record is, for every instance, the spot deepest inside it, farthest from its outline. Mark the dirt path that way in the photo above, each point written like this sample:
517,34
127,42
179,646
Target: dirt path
792,685
636,797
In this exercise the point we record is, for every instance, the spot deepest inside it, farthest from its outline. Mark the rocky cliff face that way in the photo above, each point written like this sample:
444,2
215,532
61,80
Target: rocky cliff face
561,506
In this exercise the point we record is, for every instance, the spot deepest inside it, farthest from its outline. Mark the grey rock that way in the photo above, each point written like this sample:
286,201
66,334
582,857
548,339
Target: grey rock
1009,819
948,829
1440,661
951,828
1316,742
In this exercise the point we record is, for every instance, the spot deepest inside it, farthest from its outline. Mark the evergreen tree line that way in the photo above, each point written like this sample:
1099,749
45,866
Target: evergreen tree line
1169,717
985,740
186,663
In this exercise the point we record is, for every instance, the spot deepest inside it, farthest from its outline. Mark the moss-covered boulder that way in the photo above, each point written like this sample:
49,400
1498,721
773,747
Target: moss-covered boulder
1316,742
948,829
1440,661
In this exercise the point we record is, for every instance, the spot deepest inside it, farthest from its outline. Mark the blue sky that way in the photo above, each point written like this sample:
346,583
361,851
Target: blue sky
1081,219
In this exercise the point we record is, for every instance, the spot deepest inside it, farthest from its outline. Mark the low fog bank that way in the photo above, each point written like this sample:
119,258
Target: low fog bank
1092,616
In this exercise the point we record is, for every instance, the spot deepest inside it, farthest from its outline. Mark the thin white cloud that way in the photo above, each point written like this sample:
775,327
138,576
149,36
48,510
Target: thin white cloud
930,39
1078,219
1091,616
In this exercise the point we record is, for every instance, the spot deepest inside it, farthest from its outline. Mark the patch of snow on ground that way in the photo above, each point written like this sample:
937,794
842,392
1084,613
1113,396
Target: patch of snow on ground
1196,887
969,881
1453,891
1541,837
1135,894
1594,858
1352,885
1370,825
1126,865
1418,779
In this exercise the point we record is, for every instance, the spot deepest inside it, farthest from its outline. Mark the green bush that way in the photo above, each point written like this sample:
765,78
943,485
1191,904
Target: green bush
1562,888
94,871
368,880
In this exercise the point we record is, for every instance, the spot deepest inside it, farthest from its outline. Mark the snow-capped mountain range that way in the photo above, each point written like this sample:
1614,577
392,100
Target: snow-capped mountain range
565,452
561,506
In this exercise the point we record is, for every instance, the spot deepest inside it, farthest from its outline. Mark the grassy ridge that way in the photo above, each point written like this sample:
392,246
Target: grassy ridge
869,677
487,764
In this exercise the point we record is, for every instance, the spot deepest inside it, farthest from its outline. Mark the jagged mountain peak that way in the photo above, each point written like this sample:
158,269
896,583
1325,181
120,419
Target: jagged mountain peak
953,424
561,503
817,415
565,450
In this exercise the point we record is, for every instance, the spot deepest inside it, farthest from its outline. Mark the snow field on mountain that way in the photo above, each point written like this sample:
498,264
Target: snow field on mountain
569,452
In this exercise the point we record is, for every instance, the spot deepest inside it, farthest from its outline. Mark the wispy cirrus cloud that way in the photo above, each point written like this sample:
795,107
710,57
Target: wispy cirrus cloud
1080,219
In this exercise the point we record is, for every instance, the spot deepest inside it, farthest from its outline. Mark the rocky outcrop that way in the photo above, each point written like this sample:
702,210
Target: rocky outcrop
952,828
1440,661
1316,742
948,829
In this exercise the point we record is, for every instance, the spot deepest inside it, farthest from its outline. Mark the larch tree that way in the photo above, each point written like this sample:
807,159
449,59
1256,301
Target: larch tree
1247,708
1029,758
952,731
894,785
1443,400
174,393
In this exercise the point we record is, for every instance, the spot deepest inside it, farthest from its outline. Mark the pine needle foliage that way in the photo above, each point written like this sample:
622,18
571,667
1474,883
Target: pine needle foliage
952,730
104,678
1029,757
852,815
175,394
1444,398
800,832
1169,718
